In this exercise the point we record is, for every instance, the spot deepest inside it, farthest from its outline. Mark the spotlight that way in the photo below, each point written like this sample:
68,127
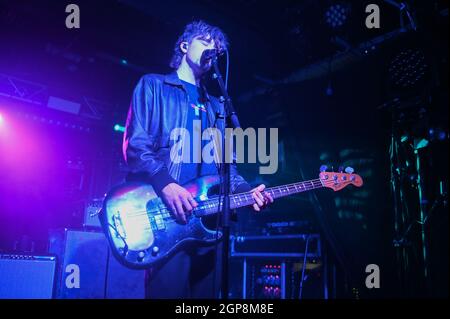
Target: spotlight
1,119
337,14
437,134
408,68
119,128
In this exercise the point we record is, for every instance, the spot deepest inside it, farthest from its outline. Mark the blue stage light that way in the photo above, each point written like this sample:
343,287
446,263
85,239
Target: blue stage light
337,14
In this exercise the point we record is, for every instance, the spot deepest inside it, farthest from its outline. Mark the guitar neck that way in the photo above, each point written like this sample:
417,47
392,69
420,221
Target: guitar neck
211,206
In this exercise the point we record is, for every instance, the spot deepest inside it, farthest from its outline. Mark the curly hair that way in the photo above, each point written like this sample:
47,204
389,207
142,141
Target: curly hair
193,30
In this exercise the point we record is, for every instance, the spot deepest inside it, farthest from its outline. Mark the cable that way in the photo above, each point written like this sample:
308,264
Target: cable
105,292
228,68
303,269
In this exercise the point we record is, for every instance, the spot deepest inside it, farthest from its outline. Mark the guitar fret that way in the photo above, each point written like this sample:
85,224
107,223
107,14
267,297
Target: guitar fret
212,206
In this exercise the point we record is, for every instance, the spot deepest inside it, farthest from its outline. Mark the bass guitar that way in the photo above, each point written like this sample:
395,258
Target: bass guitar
142,232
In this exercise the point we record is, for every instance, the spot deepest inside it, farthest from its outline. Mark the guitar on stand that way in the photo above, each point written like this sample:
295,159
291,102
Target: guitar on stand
142,232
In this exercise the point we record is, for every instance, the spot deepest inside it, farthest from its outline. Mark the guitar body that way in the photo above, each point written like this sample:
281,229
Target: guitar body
142,232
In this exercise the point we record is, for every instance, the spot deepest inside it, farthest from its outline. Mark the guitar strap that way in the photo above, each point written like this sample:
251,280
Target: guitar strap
212,122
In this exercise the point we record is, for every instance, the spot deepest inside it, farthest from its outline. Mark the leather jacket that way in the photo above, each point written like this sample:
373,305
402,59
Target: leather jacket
160,104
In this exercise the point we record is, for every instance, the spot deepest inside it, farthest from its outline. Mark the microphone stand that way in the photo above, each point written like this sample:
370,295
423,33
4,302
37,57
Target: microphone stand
231,120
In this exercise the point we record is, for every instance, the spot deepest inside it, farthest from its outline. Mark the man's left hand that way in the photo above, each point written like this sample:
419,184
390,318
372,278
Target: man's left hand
262,199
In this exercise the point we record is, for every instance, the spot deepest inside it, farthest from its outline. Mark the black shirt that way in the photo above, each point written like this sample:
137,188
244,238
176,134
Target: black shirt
197,112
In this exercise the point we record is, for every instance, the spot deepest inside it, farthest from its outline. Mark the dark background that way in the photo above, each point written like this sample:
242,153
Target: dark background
332,105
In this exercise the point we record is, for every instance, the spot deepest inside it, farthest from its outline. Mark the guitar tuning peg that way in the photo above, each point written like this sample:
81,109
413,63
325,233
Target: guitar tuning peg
323,168
349,170
341,169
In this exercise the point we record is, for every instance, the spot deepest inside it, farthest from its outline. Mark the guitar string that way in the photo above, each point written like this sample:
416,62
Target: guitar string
147,224
214,203
316,184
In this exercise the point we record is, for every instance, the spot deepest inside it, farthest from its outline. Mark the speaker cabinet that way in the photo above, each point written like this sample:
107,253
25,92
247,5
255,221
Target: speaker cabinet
99,274
26,276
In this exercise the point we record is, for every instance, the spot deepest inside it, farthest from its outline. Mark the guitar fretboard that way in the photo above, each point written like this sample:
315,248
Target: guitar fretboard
211,206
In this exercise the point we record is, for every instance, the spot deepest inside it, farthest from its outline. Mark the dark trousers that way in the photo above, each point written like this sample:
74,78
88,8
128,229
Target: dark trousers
191,273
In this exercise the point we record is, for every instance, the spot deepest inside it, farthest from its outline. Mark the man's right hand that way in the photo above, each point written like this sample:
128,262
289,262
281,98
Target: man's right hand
179,201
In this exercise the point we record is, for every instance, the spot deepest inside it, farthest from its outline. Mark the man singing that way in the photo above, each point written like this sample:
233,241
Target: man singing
161,103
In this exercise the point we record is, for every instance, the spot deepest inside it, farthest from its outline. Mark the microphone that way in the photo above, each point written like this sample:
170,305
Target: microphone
208,55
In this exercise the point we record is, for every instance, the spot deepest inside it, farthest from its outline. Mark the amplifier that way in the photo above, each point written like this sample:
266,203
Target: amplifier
26,276
283,246
91,213
272,267
275,278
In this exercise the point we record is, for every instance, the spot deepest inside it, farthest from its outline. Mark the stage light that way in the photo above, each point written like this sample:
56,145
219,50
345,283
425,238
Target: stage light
442,136
337,14
1,119
422,143
437,134
408,69
119,128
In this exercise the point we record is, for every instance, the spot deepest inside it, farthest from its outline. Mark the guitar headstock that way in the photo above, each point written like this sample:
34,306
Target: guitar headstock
339,180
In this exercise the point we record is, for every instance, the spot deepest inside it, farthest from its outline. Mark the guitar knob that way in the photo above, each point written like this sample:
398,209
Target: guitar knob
122,252
349,170
323,168
141,256
155,250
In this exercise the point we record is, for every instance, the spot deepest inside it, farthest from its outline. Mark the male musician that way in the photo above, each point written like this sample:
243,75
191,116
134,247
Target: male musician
161,103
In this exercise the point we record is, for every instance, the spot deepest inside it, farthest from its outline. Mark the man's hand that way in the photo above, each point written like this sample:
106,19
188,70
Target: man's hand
261,199
179,201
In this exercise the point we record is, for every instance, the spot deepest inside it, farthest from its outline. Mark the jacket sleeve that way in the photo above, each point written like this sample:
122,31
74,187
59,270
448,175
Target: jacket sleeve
141,149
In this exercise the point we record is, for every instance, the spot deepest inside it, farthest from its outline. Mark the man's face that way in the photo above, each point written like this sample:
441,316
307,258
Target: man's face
195,50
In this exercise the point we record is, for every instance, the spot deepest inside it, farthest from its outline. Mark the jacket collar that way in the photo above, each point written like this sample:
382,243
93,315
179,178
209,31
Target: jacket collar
173,79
